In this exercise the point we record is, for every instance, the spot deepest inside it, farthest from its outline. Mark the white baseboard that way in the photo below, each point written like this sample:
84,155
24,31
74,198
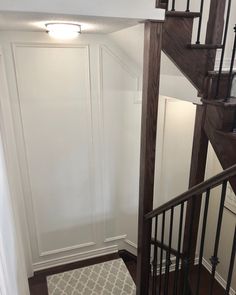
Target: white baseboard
218,277
130,243
70,258
116,238
74,257
130,246
208,267
173,265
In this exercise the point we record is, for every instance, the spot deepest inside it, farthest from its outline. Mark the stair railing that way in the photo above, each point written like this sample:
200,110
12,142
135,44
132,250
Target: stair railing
165,4
171,268
214,39
188,10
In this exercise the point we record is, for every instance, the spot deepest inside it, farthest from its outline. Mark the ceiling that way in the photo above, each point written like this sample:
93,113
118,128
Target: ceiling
141,9
35,22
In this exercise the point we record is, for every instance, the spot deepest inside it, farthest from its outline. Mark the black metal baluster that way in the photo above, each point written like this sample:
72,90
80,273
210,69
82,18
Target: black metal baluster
186,260
168,255
179,248
203,239
231,265
161,256
173,5
200,23
154,263
214,259
223,48
231,67
188,6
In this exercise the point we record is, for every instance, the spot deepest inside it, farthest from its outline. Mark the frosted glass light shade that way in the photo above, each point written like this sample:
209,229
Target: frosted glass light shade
63,30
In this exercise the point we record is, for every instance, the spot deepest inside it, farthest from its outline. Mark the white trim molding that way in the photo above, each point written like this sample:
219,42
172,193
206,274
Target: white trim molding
172,266
132,244
75,257
218,277
128,68
117,238
67,249
16,200
31,207
136,76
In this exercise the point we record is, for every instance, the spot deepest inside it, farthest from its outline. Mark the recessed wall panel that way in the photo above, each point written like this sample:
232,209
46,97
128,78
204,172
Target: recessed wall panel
54,98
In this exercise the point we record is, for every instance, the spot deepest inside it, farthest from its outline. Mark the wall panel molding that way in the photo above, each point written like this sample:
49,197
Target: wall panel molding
19,244
218,277
132,244
136,76
35,232
67,249
70,258
103,49
117,238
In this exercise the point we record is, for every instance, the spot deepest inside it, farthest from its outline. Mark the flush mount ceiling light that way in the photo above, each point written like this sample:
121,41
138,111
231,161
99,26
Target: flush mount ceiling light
63,30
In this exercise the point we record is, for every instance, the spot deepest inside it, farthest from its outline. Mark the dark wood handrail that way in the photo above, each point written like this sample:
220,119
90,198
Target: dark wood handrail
197,191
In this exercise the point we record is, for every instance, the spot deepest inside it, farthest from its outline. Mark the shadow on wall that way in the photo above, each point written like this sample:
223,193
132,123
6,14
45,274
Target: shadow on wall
13,277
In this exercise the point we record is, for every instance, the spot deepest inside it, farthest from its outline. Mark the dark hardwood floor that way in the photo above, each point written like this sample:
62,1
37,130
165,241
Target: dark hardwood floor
38,284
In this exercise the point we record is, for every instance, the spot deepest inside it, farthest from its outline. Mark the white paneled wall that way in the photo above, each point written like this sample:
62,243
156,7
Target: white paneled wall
178,126
76,112
55,106
121,138
13,273
77,126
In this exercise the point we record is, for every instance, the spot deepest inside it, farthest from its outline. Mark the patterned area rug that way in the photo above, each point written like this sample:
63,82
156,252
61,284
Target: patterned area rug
108,278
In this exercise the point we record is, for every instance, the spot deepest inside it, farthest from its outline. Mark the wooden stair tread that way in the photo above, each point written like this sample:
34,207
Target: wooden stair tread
216,73
221,103
182,14
204,46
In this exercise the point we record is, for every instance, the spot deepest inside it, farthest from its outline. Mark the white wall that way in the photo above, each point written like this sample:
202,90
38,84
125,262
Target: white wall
77,110
13,277
175,141
77,123
131,41
9,260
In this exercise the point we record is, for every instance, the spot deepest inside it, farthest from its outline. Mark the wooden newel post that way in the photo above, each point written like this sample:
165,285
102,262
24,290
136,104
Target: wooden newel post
151,78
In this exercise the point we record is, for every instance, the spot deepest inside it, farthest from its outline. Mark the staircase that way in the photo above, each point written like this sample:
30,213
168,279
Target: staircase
169,261
170,217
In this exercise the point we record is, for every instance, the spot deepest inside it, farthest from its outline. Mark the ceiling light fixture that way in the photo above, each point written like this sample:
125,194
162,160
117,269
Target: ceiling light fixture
63,30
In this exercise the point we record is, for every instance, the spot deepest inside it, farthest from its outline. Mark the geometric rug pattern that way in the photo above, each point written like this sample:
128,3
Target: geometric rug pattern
108,278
